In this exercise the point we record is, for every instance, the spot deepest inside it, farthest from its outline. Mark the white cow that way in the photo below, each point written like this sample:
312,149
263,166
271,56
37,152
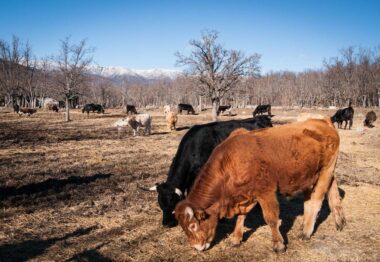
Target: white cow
135,122
166,109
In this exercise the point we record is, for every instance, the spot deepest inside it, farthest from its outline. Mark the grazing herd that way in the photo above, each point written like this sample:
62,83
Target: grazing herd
223,169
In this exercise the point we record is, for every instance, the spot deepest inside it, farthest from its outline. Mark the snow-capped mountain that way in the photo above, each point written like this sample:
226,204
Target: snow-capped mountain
118,73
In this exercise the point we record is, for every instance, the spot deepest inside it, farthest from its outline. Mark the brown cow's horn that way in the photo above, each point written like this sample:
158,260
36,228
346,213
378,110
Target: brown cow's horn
189,212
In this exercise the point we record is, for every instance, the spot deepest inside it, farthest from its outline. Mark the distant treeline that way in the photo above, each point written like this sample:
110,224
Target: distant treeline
353,75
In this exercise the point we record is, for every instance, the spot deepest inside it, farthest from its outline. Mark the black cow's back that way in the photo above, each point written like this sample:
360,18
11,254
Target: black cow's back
198,143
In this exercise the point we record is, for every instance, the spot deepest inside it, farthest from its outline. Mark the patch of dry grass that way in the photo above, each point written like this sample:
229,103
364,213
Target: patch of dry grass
69,191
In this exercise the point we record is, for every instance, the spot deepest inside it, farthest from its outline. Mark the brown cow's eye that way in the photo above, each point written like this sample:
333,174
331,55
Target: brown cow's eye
193,227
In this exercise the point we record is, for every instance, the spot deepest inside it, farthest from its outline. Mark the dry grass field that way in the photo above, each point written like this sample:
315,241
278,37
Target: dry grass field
69,192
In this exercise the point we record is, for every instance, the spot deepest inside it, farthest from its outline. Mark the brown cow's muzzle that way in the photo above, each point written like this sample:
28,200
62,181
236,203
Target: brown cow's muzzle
200,247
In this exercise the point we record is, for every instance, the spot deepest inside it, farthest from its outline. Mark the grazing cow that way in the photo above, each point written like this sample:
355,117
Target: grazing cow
171,120
61,104
26,111
167,109
250,167
92,108
140,120
345,114
186,107
221,109
260,109
131,109
193,151
53,107
120,124
16,107
370,117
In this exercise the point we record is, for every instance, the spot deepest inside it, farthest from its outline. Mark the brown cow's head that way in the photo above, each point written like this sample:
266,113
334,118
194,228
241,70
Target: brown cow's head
197,224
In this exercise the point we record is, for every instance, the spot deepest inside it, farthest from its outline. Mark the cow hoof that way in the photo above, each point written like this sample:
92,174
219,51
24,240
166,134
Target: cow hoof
235,241
279,247
340,224
304,237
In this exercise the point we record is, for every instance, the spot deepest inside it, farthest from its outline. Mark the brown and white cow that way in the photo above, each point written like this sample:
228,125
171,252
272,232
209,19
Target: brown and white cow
26,111
250,167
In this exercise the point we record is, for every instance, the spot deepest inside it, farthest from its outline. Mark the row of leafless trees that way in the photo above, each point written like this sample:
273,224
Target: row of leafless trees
354,75
214,75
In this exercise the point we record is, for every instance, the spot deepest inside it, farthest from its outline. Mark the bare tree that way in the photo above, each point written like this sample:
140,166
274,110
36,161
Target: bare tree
217,69
73,63
29,64
10,59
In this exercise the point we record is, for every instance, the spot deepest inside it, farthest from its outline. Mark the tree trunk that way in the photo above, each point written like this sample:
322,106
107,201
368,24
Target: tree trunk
200,104
67,115
215,106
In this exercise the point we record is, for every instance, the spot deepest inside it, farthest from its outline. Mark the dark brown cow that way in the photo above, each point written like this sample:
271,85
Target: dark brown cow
131,109
26,111
370,117
249,167
53,107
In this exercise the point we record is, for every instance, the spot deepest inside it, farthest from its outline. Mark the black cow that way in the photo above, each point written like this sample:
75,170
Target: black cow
222,109
186,107
193,151
61,104
260,109
131,109
55,108
16,107
92,108
370,117
345,114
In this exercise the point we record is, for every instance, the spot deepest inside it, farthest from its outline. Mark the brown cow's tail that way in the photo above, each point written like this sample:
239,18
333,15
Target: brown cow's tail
336,205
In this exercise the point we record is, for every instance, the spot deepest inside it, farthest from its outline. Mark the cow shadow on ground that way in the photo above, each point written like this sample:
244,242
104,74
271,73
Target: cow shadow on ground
229,115
50,184
29,249
289,211
90,255
159,133
182,128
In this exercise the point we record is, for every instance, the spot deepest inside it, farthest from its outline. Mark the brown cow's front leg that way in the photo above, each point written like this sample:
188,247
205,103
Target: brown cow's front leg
237,235
271,213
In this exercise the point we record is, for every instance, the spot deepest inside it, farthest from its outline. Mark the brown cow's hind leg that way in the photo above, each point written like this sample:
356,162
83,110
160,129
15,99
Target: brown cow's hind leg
271,212
313,201
336,206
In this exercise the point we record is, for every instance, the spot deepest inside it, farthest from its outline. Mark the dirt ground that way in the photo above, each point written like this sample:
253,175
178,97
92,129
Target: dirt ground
69,192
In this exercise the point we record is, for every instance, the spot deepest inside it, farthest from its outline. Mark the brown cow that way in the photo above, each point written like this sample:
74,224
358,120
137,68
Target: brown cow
250,167
171,120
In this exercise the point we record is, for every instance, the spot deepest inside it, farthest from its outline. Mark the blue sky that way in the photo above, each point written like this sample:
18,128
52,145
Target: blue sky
290,35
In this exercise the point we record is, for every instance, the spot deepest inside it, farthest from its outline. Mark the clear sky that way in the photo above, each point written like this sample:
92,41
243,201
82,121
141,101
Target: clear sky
290,35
